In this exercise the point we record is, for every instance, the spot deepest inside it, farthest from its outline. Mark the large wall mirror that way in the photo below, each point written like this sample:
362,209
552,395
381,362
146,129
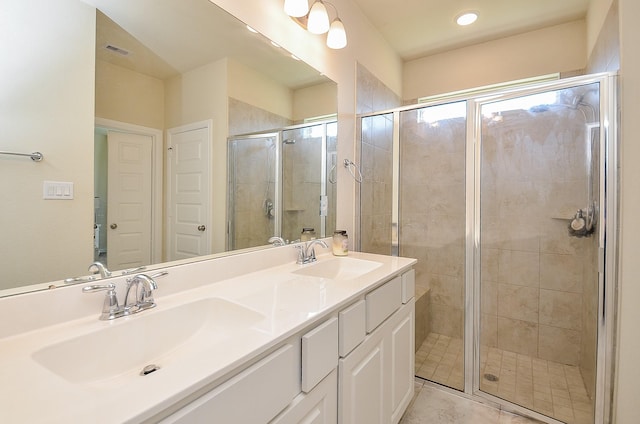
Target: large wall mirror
178,86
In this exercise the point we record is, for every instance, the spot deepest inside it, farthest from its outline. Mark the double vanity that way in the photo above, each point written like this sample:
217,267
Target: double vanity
248,338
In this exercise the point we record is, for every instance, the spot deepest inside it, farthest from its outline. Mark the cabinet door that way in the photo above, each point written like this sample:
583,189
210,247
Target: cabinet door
319,406
376,379
402,356
362,391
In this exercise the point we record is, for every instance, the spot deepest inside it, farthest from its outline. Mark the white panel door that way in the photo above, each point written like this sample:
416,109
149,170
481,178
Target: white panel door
129,200
189,215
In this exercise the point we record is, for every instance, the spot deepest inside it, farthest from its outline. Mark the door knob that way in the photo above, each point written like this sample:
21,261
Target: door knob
113,226
201,228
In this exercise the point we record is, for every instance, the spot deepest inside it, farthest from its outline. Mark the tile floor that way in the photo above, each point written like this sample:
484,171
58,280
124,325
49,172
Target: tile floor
431,405
550,388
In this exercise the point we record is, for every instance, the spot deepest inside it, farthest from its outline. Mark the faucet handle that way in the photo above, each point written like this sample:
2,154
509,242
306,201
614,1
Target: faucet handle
110,308
132,270
98,287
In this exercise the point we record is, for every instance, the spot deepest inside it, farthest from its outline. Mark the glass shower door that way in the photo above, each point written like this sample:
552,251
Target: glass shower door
432,229
538,276
253,190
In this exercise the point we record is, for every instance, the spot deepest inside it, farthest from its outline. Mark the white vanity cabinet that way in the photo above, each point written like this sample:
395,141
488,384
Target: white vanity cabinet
353,367
255,395
376,378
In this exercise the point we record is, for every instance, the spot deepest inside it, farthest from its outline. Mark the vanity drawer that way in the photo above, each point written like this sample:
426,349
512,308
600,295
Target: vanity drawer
256,395
382,302
408,285
351,327
319,353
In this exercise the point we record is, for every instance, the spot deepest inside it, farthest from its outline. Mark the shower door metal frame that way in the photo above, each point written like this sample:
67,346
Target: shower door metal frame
607,231
607,236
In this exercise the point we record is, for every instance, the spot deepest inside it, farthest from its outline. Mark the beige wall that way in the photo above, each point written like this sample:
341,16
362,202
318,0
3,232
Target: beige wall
627,408
559,48
596,16
46,105
316,100
128,96
250,86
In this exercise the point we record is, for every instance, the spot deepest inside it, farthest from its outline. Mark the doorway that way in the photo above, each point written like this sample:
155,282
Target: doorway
127,194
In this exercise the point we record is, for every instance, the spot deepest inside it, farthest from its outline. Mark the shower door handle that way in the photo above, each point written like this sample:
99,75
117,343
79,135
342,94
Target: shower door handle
201,228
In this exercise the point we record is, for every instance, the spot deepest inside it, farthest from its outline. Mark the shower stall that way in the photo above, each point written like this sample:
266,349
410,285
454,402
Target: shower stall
279,182
508,202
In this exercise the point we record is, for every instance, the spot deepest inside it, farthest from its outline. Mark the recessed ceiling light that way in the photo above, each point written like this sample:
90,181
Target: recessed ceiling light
251,29
466,18
274,44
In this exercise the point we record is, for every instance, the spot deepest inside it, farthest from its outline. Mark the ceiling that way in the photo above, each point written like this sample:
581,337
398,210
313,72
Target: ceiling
175,36
413,28
417,28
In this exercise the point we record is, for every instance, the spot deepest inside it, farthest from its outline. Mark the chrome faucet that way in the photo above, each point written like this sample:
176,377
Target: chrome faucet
111,308
99,266
307,253
277,241
144,285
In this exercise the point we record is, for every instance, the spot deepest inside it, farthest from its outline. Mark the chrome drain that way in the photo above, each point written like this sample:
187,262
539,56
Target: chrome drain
149,369
490,377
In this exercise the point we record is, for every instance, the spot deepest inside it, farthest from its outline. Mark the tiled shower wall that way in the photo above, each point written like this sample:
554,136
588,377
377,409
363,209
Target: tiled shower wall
375,161
534,278
300,183
245,118
432,215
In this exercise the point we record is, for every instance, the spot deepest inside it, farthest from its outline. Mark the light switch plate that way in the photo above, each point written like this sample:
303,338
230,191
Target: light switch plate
57,190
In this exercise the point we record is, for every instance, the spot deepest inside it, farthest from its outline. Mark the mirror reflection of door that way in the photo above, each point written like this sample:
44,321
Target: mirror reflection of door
189,222
128,200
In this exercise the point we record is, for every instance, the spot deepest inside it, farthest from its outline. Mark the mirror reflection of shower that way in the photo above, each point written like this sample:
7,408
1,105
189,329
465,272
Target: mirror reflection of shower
280,182
269,188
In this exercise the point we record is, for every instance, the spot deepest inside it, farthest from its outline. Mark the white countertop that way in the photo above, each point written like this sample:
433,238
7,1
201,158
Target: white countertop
286,302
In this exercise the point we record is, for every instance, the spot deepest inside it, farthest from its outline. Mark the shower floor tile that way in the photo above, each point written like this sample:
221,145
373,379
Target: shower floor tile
553,389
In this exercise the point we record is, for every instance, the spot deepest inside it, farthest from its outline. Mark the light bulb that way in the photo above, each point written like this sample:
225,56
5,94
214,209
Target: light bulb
337,37
467,18
296,8
318,22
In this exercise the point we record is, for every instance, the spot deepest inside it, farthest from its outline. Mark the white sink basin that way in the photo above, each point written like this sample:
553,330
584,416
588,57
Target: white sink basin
131,343
344,268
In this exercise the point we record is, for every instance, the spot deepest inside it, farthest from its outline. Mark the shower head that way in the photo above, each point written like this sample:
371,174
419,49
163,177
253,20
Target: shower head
289,141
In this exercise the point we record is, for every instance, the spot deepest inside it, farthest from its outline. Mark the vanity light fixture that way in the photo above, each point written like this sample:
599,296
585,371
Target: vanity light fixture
296,8
466,18
337,37
317,22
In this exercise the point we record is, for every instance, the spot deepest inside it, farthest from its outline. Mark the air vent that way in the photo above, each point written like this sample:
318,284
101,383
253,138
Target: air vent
116,49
